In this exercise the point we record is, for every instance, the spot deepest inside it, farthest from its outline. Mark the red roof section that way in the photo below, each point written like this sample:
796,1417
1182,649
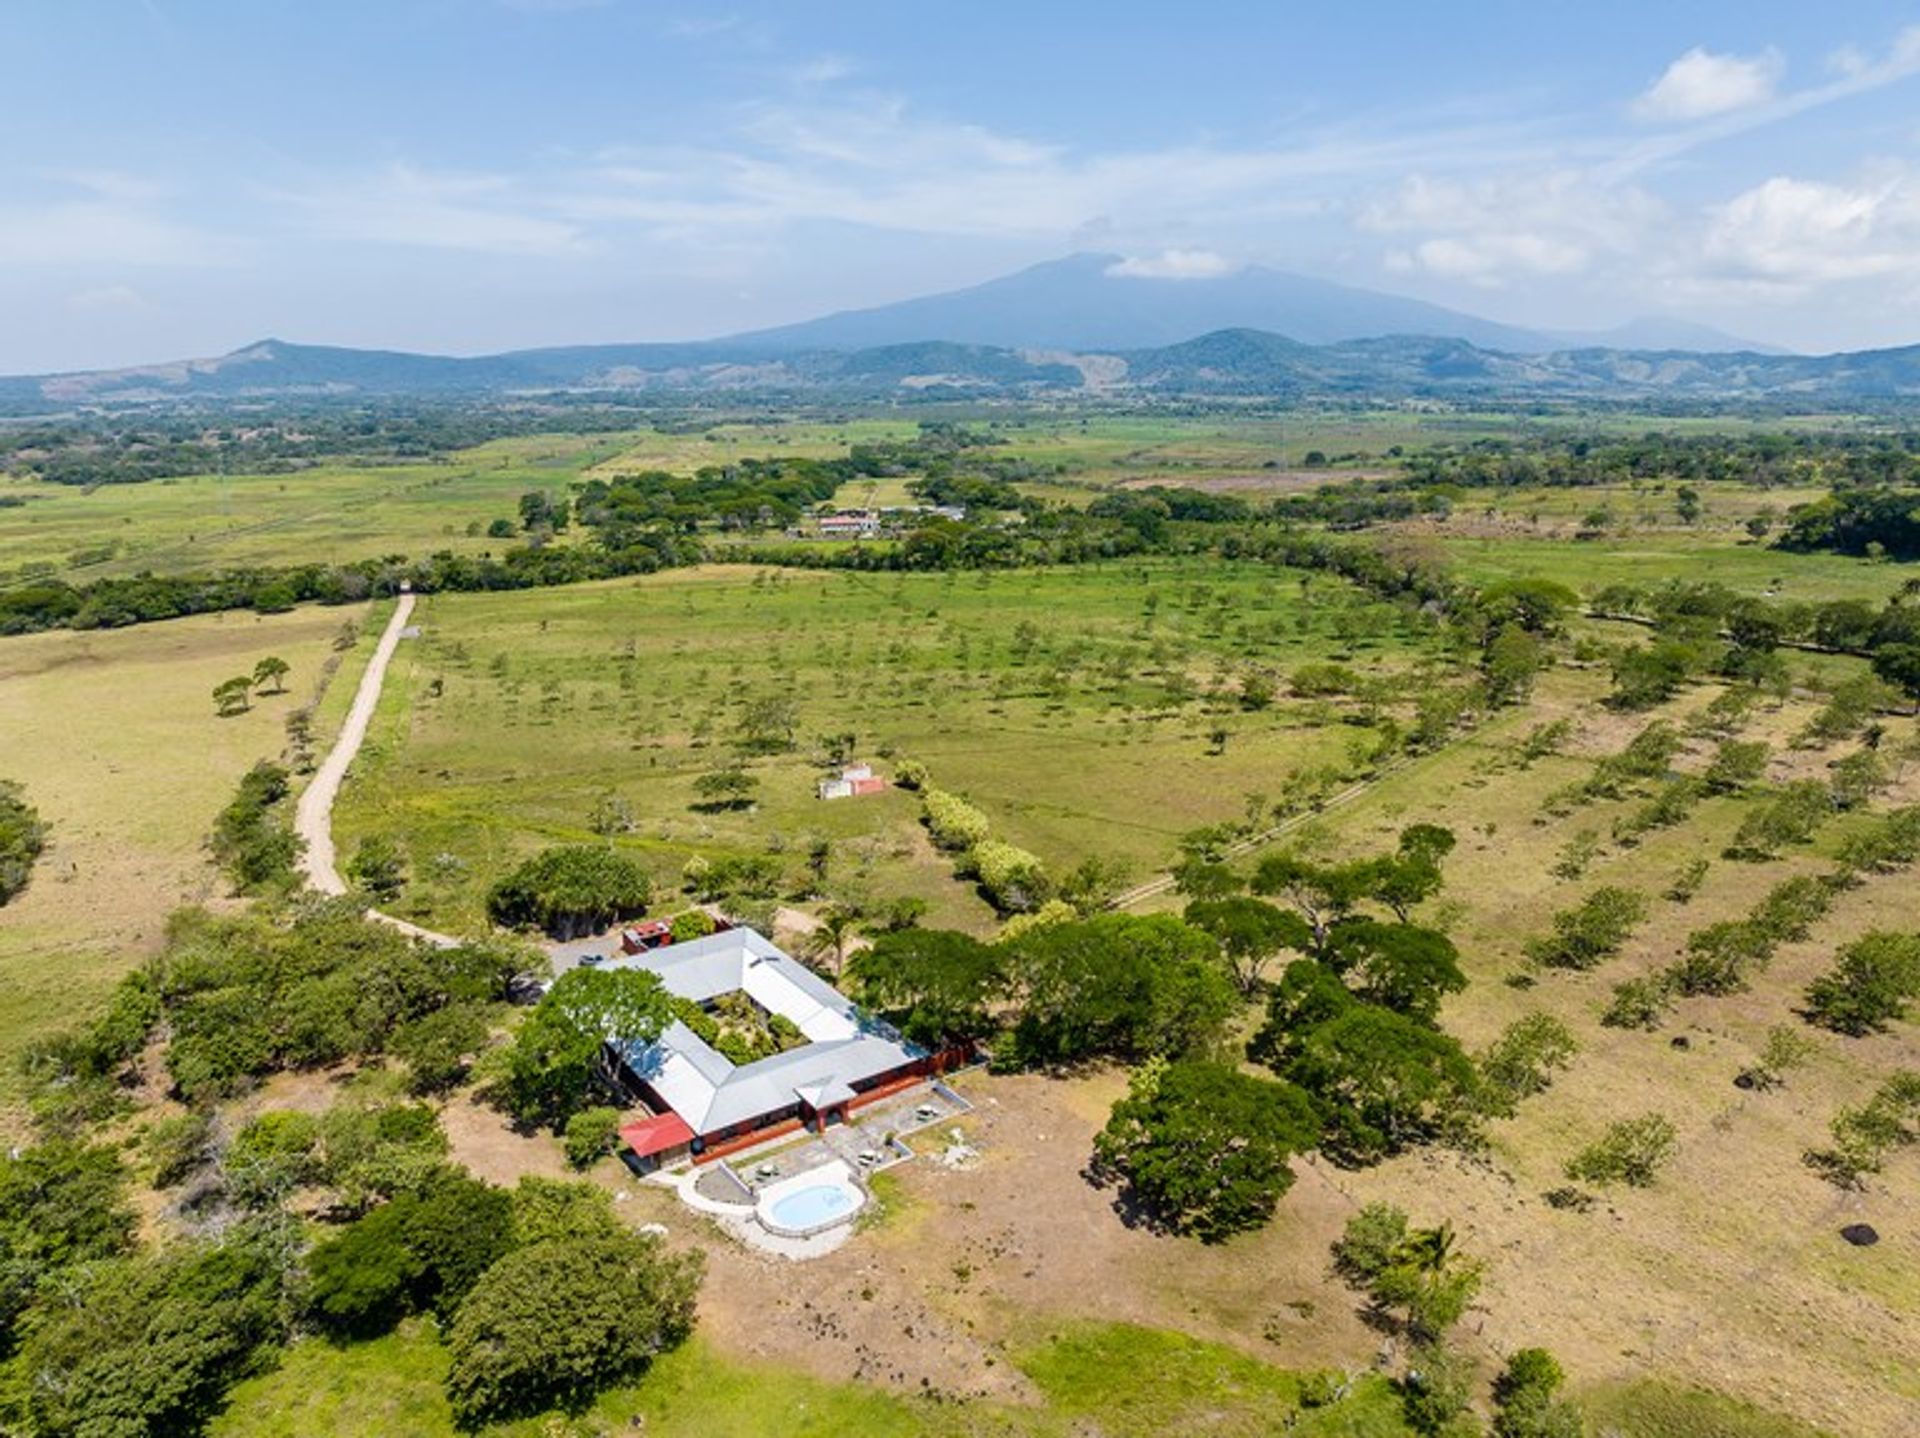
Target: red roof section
656,1135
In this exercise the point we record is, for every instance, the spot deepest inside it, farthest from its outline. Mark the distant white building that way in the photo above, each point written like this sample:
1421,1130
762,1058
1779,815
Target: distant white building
854,779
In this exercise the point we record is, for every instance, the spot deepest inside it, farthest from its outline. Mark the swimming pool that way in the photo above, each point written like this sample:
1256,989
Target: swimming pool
811,1207
810,1202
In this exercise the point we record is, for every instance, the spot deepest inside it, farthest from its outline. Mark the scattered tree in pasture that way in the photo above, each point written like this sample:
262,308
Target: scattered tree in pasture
231,696
767,724
1789,818
612,814
1526,1401
1786,1049
1639,1003
1417,1276
270,675
1205,1148
23,838
1736,767
1872,985
1865,1134
378,867
729,788
1522,1062
1591,931
1857,778
1688,879
1632,1151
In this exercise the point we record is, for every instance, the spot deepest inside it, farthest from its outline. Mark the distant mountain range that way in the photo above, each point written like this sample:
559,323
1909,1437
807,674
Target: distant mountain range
1093,302
1071,326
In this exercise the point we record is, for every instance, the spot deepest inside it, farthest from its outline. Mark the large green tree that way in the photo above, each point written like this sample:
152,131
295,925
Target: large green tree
1116,985
1204,1147
552,1067
1382,1081
939,985
553,1324
1399,966
1250,933
572,890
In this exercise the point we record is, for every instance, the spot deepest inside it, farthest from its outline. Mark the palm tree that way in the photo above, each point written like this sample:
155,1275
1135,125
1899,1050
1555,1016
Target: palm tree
1429,1250
838,927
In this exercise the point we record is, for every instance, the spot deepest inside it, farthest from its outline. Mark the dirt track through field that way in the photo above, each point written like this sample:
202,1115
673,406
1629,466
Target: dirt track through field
313,816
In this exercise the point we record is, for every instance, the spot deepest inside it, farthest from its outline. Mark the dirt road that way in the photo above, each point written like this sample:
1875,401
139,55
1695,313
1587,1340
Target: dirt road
313,817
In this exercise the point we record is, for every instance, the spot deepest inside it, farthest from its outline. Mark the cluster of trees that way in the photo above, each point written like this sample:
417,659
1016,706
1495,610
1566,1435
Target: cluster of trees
1874,519
544,1297
1862,991
1784,460
238,997
276,438
253,837
1417,1282
23,837
571,890
1703,627
234,696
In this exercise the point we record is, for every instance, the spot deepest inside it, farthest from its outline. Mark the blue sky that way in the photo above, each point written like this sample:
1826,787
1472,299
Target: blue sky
179,177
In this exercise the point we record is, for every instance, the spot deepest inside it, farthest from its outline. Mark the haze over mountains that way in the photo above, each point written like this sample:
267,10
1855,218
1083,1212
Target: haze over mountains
1088,323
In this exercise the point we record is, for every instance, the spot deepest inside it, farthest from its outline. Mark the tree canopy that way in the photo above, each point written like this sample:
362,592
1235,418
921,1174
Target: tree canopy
1204,1147
571,890
553,1324
551,1069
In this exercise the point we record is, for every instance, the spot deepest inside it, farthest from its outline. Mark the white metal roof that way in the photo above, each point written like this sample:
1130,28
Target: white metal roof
709,1091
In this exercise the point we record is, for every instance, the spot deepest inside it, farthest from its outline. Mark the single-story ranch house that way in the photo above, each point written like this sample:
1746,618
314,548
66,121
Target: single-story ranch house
705,1105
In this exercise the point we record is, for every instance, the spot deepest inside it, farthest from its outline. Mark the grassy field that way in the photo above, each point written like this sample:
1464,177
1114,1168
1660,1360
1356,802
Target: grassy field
114,735
1071,705
337,512
1118,1381
329,514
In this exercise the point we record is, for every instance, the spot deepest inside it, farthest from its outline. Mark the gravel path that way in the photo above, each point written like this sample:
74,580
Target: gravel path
313,817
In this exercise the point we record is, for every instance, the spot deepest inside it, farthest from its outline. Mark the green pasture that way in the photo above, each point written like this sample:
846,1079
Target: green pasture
1077,707
331,513
1118,1381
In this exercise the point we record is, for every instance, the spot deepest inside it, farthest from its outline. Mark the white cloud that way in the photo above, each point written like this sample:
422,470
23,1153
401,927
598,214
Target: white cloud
1173,265
1493,230
104,234
109,299
402,205
1793,234
1701,84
